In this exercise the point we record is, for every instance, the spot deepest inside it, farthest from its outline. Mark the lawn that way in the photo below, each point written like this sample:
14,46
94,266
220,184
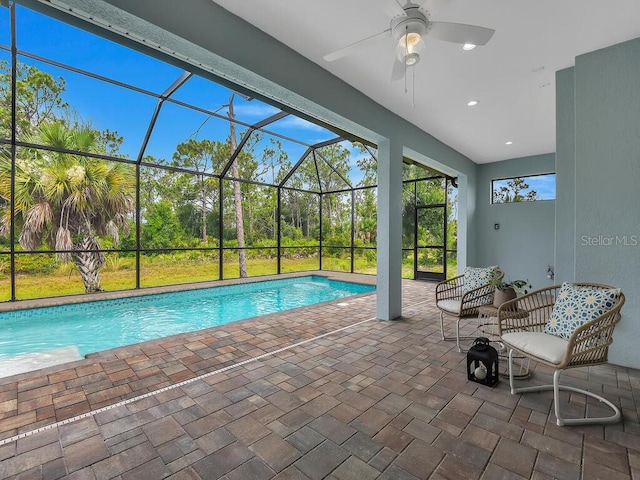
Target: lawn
171,269
119,273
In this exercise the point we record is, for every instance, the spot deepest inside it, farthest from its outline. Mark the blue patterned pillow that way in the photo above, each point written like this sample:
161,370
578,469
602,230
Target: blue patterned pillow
477,277
578,305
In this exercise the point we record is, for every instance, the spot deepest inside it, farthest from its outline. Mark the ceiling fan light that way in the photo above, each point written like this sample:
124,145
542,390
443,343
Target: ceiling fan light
468,46
409,48
411,59
412,42
411,39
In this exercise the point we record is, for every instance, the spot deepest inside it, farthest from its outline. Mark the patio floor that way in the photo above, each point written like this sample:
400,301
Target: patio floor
321,392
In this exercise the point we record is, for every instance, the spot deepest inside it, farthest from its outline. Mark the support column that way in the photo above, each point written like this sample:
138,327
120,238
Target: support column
389,289
466,211
565,241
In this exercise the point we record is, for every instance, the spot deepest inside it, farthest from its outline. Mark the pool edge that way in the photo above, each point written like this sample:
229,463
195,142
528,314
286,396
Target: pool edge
364,279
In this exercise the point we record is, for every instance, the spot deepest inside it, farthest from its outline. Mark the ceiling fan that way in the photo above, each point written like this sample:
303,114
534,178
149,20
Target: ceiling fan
409,27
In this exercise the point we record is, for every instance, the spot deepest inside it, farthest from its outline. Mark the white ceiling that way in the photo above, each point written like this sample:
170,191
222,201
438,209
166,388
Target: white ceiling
512,77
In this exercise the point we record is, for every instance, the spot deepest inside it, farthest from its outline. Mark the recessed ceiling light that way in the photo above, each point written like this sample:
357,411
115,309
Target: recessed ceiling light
508,143
472,103
468,46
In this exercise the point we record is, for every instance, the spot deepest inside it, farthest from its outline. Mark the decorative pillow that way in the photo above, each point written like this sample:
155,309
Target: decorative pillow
477,277
578,305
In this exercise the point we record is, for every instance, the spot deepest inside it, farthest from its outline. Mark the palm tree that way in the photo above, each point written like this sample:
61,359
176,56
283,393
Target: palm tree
68,199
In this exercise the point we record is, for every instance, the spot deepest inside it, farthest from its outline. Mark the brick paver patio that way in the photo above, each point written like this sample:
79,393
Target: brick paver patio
386,400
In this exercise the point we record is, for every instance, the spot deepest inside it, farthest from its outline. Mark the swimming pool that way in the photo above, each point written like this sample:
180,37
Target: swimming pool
105,324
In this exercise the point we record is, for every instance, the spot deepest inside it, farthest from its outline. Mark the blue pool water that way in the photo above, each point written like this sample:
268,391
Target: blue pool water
96,326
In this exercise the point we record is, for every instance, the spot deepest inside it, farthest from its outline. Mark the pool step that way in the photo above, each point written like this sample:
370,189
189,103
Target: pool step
34,361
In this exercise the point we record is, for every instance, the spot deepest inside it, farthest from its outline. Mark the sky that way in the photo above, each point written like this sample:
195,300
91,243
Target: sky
129,112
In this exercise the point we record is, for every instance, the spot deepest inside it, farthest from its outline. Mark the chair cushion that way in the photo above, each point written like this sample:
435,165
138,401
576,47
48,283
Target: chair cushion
577,305
451,306
477,277
542,345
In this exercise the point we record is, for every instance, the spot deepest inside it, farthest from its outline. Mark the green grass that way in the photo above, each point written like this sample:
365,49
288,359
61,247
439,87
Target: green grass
119,273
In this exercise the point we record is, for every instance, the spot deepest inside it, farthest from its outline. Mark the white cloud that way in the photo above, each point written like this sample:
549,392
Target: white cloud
297,122
255,110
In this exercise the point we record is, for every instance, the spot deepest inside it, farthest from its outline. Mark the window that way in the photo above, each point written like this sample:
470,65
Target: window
524,189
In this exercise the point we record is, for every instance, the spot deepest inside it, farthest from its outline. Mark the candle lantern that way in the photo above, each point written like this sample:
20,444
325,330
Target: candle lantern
482,362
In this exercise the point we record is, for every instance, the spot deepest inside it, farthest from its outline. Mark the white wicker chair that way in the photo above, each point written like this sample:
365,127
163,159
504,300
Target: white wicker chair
587,346
452,300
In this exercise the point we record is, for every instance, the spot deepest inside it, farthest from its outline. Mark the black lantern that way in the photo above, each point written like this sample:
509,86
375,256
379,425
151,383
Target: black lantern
482,362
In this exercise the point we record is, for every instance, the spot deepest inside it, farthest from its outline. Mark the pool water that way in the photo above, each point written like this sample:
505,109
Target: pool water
100,325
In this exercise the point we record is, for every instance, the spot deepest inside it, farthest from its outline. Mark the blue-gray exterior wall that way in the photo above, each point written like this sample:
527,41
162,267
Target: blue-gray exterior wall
607,175
565,177
523,246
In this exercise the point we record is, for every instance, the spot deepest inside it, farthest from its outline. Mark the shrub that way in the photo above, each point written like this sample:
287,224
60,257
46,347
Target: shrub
36,264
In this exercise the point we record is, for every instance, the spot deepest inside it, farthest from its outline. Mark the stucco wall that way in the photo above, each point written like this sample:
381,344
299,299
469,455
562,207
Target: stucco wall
565,248
523,246
607,175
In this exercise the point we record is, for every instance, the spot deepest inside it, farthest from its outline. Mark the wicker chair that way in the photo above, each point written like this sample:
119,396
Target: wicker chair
587,346
452,300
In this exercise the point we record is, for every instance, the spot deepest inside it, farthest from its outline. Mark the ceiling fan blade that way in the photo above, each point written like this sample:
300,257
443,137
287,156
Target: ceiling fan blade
398,70
344,51
432,6
394,8
460,33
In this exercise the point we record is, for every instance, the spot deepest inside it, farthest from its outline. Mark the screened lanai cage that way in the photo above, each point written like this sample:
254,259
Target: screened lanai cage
121,171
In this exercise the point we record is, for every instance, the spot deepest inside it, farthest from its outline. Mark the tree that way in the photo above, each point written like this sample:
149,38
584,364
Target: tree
68,199
237,193
514,191
162,228
368,165
367,211
38,99
201,156
366,199
270,165
332,165
301,209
